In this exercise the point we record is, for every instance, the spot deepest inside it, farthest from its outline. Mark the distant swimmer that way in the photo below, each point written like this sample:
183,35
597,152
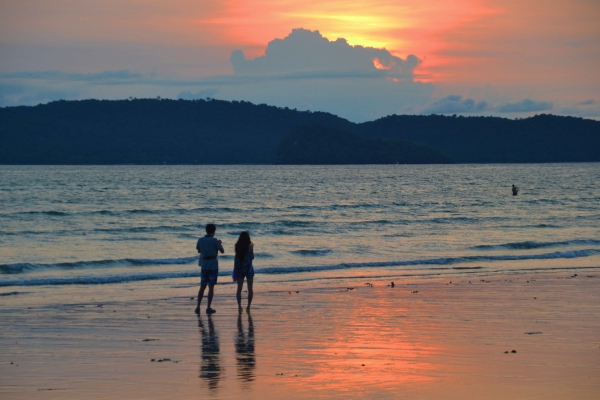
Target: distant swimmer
515,190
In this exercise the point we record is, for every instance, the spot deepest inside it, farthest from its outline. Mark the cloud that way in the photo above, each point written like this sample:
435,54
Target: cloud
308,51
454,104
526,105
12,94
587,102
306,70
585,112
202,94
72,76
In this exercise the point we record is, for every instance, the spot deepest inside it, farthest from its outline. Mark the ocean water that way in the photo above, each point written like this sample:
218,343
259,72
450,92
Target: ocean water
62,225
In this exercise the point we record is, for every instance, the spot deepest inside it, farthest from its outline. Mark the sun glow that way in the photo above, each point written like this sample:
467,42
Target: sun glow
403,28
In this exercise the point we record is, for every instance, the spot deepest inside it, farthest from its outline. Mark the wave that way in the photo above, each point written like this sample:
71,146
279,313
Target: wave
527,245
443,263
25,267
51,213
432,261
312,252
19,268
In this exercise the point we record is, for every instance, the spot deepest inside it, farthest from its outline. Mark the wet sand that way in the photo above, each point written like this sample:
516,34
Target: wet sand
422,339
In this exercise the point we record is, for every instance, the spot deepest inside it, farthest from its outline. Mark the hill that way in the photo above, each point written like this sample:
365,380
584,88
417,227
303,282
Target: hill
539,139
325,145
149,131
154,131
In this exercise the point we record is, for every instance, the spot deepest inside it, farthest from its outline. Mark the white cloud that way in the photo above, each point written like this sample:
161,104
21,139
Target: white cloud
308,51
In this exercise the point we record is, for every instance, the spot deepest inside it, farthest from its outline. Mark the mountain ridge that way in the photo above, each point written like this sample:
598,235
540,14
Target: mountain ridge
164,131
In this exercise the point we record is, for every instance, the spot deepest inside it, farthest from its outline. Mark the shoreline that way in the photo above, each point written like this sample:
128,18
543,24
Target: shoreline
425,338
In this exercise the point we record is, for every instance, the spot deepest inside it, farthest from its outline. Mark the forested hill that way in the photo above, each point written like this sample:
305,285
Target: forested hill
153,131
149,131
325,145
543,138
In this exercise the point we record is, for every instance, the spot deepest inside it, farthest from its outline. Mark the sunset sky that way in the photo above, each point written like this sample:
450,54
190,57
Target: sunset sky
368,59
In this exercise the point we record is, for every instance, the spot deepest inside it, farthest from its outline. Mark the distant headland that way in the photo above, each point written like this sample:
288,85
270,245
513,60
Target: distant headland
160,131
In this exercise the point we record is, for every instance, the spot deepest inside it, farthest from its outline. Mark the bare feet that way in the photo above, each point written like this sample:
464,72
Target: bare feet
197,310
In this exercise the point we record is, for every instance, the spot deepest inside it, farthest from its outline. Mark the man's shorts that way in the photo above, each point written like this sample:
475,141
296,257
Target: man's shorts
208,277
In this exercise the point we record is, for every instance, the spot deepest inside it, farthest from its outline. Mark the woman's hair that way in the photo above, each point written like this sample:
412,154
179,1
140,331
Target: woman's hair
242,246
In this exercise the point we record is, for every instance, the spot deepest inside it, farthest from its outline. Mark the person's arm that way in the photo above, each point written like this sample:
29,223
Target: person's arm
221,249
251,250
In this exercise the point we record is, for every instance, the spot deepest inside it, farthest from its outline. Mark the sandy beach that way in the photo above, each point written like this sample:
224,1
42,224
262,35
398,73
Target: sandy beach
422,339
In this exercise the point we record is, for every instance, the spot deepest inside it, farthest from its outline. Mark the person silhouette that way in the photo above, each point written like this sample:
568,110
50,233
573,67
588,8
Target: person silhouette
515,190
244,350
210,366
244,254
209,248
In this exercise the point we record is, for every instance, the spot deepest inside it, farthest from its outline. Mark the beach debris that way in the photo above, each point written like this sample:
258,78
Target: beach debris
164,359
506,352
362,365
39,390
153,360
369,284
149,340
100,305
289,292
191,298
297,291
415,291
535,298
393,284
533,333
513,351
350,288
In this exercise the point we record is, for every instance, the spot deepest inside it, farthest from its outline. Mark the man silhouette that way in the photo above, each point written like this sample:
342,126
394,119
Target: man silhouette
208,247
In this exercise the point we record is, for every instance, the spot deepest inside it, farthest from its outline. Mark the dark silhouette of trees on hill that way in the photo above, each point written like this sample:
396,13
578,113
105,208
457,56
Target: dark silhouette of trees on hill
315,144
542,138
155,131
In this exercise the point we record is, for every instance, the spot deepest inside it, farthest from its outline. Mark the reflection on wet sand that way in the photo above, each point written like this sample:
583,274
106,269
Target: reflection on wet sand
210,367
244,351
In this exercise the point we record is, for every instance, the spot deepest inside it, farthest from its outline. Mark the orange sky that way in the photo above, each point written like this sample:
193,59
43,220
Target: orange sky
523,48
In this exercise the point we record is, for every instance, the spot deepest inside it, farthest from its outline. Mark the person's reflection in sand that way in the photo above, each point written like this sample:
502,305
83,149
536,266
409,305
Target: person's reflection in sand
244,351
210,368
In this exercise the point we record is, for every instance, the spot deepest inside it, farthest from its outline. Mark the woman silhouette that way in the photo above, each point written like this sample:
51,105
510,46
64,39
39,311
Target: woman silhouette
244,254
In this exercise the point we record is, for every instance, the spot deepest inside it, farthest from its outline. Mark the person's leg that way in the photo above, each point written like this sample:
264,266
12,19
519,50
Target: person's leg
200,296
238,294
211,292
250,291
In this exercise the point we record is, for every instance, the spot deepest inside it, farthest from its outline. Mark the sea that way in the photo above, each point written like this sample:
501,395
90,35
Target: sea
105,225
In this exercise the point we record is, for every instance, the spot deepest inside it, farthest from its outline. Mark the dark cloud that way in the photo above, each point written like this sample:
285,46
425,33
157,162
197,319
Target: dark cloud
309,52
587,102
526,105
454,104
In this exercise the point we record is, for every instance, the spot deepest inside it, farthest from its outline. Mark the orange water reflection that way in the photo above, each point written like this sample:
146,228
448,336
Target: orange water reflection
368,341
